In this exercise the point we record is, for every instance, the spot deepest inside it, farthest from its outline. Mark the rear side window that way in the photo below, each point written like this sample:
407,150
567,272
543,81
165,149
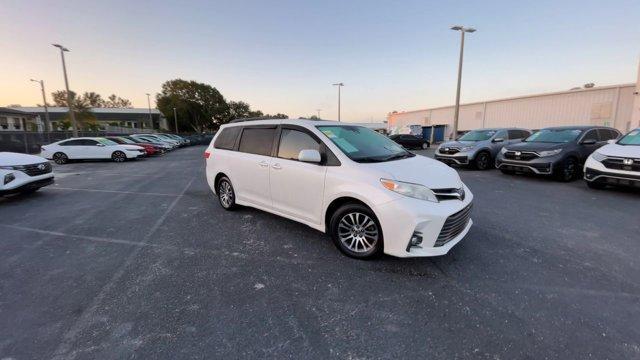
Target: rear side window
591,135
517,134
257,141
72,143
294,141
227,138
607,134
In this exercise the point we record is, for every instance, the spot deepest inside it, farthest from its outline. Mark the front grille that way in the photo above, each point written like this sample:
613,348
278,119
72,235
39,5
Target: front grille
453,226
619,164
520,155
36,169
449,150
449,194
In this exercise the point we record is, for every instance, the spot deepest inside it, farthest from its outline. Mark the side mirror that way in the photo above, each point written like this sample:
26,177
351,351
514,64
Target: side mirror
588,142
612,141
310,156
496,140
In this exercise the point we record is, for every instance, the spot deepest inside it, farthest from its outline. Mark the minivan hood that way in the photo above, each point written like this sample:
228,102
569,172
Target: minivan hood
625,151
419,170
535,146
12,159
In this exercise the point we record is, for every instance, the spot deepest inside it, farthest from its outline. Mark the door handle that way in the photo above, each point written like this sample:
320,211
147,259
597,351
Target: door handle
276,166
263,163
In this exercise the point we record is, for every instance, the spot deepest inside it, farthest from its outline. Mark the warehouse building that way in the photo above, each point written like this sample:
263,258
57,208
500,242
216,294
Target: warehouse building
131,118
605,105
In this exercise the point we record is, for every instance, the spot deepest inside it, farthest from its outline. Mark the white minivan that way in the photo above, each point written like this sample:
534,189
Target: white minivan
366,191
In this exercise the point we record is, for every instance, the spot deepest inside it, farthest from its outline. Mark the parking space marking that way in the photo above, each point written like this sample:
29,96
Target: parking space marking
112,191
85,318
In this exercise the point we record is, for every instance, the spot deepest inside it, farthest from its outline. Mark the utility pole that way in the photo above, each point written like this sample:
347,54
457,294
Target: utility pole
47,122
318,110
149,104
66,84
339,85
175,119
462,30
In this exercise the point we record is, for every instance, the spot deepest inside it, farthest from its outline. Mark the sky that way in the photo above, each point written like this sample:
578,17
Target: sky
284,56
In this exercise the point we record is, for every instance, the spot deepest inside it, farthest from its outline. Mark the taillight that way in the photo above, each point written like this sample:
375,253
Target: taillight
207,154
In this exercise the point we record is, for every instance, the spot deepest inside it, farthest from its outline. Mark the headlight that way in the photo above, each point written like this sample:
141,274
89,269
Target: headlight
503,150
9,178
411,190
598,157
549,152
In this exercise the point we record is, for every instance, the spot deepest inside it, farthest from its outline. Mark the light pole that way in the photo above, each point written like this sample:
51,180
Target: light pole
318,110
462,30
175,119
47,123
339,85
66,84
149,104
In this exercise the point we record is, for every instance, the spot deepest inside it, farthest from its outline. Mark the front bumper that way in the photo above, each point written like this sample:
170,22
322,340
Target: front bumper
402,218
595,171
539,166
455,159
19,186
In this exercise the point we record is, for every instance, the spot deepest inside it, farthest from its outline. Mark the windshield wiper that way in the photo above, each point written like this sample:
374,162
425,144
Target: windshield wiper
398,156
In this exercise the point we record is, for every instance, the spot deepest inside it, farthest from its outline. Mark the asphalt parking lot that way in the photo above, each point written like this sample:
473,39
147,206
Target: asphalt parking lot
138,260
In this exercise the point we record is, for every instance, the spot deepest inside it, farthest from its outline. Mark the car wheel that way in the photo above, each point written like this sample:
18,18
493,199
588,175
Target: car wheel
568,170
356,232
425,145
482,161
595,185
226,194
118,156
60,158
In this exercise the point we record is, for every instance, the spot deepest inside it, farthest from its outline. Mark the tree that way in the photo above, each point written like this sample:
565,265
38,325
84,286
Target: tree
114,101
93,99
199,106
80,106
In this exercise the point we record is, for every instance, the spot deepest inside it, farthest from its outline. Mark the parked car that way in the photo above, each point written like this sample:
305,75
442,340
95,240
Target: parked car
152,138
410,141
160,147
22,173
148,148
556,151
183,141
86,148
166,137
370,194
479,148
617,163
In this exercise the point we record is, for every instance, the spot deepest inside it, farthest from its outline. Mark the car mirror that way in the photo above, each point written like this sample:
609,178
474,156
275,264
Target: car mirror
496,140
612,141
309,155
588,142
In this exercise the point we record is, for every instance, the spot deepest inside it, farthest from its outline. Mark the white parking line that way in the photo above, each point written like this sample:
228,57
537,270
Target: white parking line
111,191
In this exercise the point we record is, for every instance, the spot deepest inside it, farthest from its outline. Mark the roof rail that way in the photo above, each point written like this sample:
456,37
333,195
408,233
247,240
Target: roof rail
253,119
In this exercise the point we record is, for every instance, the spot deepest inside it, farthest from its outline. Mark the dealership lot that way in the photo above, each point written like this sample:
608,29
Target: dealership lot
138,259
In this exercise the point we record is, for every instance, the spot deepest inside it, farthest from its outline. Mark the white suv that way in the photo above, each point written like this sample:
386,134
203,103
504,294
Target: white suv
617,163
366,191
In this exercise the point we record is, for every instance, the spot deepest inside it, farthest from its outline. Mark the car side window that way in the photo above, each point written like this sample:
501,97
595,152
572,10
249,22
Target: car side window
227,138
294,141
89,142
257,141
71,143
502,134
607,134
525,134
515,134
591,135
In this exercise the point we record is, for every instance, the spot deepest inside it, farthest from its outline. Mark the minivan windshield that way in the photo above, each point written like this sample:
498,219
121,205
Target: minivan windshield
478,135
364,145
554,135
632,138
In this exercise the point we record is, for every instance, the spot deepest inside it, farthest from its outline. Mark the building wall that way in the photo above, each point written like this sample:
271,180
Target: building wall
610,106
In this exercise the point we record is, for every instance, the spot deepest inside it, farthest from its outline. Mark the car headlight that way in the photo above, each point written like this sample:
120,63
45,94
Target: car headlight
411,190
9,178
503,150
549,152
598,156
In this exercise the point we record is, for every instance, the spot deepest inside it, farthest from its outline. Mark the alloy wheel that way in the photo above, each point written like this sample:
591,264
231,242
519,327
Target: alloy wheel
358,232
225,193
482,161
60,158
118,156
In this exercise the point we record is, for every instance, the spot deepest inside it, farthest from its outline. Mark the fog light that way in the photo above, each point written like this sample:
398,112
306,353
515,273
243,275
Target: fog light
416,240
9,178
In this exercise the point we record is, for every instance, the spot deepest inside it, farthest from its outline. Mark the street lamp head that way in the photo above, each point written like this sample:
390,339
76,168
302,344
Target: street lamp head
34,80
457,27
60,47
470,30
462,28
338,84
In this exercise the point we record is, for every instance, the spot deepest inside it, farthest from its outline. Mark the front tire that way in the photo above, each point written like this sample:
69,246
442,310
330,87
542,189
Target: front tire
118,156
226,194
60,158
356,232
482,161
568,170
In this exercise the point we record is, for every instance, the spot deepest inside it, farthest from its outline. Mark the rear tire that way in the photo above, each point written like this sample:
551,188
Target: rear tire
482,161
356,232
60,158
118,156
226,194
